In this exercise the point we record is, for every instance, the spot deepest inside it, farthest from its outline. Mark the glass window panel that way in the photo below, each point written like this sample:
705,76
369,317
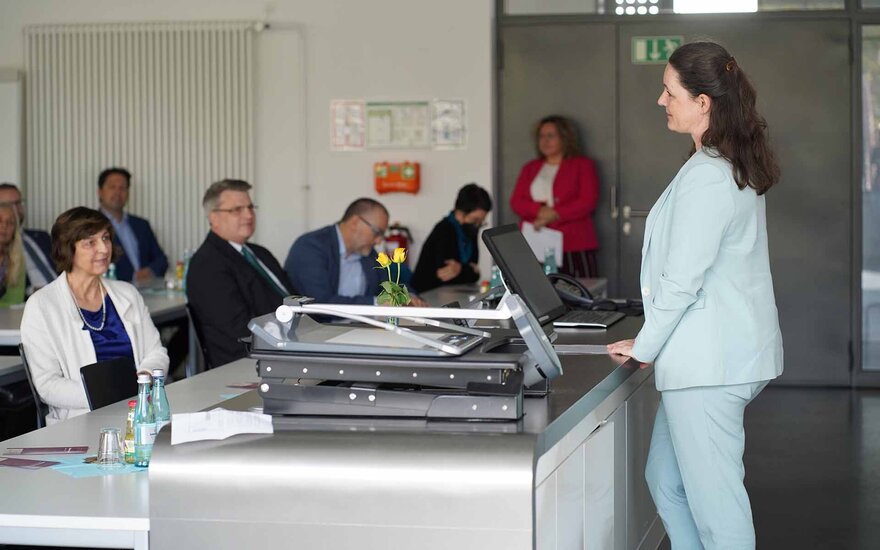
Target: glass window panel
871,3
871,197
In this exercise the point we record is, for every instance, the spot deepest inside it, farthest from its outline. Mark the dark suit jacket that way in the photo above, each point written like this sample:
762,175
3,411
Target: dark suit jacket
43,240
313,267
149,252
225,292
442,245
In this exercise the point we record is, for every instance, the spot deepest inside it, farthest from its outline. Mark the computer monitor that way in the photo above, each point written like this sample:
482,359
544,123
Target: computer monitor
522,272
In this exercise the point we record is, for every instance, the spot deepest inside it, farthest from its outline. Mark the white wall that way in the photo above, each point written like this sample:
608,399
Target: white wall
376,50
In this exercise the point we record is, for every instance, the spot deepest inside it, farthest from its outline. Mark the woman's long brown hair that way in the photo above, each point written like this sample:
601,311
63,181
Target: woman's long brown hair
736,130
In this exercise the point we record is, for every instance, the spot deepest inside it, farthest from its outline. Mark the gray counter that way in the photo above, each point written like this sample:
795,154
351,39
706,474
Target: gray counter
569,474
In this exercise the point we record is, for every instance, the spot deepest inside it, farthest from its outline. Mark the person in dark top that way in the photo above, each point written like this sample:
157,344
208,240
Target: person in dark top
450,254
231,280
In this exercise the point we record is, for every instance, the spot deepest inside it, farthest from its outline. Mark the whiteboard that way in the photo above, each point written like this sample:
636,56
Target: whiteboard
10,127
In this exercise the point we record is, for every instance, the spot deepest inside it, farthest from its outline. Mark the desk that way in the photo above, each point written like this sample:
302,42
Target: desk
569,474
596,403
45,507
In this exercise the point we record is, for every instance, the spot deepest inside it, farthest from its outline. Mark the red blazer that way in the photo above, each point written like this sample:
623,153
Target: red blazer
575,195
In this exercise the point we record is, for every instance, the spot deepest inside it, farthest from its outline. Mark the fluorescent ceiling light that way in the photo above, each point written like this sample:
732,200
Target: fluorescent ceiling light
714,6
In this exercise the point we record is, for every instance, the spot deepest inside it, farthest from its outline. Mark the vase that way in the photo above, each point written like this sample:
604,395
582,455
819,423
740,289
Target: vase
393,321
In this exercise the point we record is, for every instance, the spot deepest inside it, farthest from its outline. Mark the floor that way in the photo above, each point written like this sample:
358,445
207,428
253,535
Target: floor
813,468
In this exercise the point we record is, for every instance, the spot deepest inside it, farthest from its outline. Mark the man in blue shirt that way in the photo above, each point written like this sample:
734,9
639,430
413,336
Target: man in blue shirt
142,256
336,264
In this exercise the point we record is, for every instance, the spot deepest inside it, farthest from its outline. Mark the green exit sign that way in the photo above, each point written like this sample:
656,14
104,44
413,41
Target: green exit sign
654,49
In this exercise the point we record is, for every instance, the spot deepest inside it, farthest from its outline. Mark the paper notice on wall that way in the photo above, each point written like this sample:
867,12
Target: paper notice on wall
398,125
448,128
348,125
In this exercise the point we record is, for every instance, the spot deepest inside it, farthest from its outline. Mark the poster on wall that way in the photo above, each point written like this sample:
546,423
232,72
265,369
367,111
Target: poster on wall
347,125
448,129
398,125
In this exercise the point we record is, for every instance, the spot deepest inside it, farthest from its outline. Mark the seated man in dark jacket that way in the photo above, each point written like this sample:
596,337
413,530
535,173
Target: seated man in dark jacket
450,254
230,280
337,264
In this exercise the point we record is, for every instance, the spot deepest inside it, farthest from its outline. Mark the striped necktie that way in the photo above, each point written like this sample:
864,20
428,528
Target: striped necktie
251,259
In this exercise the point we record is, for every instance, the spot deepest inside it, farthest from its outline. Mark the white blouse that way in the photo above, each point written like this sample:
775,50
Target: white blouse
542,185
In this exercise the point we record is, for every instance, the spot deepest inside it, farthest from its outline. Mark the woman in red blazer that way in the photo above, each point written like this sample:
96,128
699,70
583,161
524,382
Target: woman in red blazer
560,190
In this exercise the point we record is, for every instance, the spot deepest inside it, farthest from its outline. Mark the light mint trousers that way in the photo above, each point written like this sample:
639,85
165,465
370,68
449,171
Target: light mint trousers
695,469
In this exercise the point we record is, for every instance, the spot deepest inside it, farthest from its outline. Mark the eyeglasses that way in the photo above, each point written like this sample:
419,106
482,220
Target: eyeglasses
238,210
376,231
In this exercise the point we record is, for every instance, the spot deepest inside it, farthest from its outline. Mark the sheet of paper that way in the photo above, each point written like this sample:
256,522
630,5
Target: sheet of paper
347,125
217,424
541,239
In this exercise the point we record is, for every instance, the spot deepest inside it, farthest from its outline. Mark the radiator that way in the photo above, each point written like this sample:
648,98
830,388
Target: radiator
171,102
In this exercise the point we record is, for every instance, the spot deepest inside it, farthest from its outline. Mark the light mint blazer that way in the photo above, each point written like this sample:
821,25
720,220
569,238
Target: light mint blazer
710,312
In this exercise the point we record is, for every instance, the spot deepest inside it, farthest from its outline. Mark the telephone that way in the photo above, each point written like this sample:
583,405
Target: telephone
576,295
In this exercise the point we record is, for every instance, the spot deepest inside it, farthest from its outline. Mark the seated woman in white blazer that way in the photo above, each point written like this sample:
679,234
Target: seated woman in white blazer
81,318
711,326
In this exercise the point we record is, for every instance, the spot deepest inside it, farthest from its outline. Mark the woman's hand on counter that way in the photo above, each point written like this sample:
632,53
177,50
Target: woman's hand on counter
623,349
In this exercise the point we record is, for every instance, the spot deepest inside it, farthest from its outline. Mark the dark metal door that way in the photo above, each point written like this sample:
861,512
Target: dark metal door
567,70
801,69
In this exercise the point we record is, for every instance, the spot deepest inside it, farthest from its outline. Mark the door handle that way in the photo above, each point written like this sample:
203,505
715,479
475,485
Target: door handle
628,212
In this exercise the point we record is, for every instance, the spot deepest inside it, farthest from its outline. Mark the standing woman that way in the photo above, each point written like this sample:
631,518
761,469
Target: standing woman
711,326
81,318
559,190
12,264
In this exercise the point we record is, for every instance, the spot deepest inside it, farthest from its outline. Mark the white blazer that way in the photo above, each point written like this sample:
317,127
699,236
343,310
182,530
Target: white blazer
710,311
56,345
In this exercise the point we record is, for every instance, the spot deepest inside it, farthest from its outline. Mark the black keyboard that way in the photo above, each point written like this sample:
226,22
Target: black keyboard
588,318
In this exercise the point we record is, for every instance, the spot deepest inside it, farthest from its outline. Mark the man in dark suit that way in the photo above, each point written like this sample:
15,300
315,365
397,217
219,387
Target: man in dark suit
337,264
37,244
142,256
230,281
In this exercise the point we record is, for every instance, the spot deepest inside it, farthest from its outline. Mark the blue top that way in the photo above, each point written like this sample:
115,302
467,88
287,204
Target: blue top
127,238
351,275
465,243
113,340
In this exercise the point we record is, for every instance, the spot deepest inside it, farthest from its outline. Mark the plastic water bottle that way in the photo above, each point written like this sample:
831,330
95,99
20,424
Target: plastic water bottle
495,280
144,423
159,400
550,261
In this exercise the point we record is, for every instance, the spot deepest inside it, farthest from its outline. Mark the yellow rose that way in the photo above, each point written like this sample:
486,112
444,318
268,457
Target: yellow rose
399,255
383,259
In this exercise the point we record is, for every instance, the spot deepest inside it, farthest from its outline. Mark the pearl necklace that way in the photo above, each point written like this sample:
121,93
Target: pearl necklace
83,317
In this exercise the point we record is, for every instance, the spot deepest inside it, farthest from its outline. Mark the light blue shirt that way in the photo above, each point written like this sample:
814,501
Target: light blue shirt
127,238
351,275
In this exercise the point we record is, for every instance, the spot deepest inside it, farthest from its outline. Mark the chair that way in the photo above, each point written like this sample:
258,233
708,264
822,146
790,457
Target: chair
107,382
200,337
42,408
